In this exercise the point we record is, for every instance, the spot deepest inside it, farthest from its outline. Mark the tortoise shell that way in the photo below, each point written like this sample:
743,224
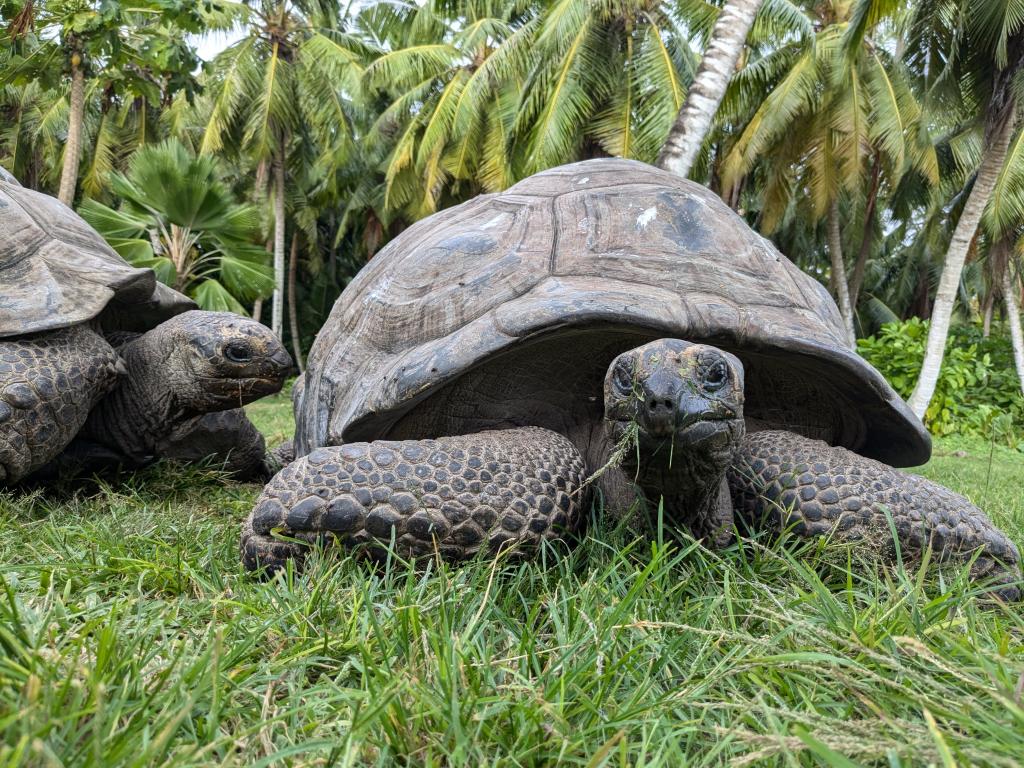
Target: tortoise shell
56,271
598,257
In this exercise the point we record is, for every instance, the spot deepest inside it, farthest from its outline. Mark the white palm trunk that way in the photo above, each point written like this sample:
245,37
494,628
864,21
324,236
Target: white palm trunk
945,298
73,147
1013,317
727,38
277,301
293,307
835,250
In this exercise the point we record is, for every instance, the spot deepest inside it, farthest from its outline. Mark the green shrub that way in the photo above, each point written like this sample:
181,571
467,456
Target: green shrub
978,391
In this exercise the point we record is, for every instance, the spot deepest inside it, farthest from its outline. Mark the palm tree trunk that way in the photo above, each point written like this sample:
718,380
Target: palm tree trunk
860,265
986,312
997,265
1013,318
835,250
268,246
73,147
694,119
293,308
922,301
997,143
276,315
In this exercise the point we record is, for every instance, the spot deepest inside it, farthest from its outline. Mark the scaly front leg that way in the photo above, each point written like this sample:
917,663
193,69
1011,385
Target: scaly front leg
453,495
227,438
48,384
791,481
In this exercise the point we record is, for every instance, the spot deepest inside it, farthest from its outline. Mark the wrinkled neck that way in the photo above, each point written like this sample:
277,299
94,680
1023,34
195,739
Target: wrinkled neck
145,406
689,484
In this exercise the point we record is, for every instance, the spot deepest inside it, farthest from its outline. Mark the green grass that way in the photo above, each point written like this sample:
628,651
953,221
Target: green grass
129,635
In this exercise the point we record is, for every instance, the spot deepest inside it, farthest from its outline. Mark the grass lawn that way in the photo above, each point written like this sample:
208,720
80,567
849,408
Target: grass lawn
129,635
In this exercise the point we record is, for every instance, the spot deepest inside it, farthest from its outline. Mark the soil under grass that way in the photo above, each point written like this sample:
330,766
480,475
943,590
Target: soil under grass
129,635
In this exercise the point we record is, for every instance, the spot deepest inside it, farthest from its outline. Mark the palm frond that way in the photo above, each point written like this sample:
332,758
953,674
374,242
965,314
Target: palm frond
796,94
231,86
1005,211
407,66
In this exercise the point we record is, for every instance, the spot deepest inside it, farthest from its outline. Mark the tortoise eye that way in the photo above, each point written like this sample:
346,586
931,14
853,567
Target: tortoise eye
623,375
716,376
238,353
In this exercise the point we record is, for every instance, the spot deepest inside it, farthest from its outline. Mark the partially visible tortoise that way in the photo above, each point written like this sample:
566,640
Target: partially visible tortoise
66,394
490,359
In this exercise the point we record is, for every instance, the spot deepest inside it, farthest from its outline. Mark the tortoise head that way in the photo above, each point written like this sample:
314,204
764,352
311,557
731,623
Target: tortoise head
684,400
218,360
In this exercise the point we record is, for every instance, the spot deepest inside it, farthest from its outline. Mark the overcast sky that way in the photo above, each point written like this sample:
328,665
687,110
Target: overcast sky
212,43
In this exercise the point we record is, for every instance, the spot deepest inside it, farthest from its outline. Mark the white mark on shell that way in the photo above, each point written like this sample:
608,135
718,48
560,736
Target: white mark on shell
380,289
646,217
494,221
584,180
583,225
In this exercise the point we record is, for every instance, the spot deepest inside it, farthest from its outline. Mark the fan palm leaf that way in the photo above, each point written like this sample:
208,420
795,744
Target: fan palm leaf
178,217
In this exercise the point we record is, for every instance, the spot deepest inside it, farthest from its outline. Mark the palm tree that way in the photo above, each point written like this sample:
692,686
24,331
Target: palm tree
839,124
983,46
179,218
705,93
609,78
31,130
1011,294
282,85
1006,255
1003,226
89,50
480,94
448,77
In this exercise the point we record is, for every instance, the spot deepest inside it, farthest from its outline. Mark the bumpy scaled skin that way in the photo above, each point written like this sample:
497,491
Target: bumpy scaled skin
227,439
455,496
48,384
786,480
281,456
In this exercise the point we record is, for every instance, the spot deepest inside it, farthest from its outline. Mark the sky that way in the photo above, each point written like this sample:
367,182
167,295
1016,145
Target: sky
210,44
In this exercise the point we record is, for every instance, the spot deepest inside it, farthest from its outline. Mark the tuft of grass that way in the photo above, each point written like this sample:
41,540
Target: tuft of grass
130,635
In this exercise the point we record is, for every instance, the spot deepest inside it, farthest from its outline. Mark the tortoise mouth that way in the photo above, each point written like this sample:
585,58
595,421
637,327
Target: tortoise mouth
713,434
244,389
704,448
708,432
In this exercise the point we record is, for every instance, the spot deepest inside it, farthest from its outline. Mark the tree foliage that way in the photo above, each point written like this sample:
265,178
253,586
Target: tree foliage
179,218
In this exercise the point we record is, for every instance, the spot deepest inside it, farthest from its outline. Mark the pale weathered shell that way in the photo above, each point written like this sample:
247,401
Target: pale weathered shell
56,271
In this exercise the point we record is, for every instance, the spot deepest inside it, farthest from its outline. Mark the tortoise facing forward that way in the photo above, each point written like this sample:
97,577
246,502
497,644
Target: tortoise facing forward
100,364
492,357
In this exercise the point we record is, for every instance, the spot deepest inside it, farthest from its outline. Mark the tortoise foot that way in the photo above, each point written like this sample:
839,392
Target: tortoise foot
226,438
813,489
453,496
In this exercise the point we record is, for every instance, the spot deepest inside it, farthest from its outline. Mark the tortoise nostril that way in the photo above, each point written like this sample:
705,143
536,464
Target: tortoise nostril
659,404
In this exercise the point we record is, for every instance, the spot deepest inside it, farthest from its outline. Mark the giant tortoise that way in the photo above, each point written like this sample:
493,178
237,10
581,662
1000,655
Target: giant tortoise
603,318
100,363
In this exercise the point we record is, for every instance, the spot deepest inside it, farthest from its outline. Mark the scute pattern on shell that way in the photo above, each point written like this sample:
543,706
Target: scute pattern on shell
603,243
454,495
56,271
